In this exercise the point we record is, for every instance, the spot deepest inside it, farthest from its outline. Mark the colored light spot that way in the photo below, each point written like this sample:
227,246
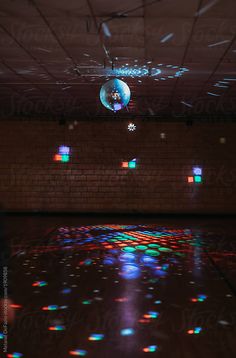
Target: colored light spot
148,260
96,337
64,150
78,352
165,249
123,299
65,158
39,284
57,157
1,336
132,164
130,271
127,257
66,291
197,171
199,298
50,308
127,332
15,306
56,328
196,330
150,349
87,302
15,355
151,314
153,246
125,164
157,302
190,180
198,179
152,252
141,247
129,249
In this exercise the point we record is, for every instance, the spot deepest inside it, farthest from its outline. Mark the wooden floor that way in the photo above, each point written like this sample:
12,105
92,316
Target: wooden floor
122,287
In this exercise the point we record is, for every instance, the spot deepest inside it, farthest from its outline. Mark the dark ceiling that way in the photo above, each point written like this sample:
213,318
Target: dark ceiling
177,56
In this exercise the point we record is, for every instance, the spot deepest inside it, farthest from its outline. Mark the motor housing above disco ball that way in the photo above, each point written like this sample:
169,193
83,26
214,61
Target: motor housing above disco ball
115,94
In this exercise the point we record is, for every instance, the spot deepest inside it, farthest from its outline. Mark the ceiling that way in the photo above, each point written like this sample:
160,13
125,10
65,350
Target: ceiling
177,56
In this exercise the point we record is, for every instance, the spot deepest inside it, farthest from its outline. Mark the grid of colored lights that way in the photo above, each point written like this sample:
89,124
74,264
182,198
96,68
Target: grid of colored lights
197,176
63,154
131,164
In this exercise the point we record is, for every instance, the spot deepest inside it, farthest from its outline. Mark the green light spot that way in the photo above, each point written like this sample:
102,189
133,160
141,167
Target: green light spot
153,246
165,249
198,179
132,165
152,252
65,158
141,247
129,249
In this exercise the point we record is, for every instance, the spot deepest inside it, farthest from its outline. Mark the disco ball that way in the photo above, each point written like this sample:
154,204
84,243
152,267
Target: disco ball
115,94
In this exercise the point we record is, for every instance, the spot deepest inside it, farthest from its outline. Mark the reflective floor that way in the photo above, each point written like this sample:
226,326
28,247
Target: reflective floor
159,288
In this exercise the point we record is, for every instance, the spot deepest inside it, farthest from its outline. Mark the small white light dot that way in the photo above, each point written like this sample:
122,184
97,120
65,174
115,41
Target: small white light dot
131,127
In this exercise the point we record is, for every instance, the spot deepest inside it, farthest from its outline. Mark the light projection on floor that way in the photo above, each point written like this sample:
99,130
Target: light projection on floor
129,165
196,177
121,270
115,95
63,154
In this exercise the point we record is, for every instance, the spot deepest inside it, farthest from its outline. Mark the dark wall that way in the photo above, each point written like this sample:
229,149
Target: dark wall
93,180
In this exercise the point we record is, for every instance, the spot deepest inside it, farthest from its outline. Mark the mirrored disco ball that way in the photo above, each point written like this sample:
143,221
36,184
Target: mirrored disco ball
115,94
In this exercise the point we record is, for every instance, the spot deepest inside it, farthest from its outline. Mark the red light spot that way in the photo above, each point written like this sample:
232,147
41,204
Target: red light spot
57,157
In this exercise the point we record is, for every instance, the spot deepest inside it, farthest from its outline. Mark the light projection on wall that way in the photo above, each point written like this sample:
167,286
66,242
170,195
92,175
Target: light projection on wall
131,127
115,95
222,140
150,349
129,165
63,154
196,177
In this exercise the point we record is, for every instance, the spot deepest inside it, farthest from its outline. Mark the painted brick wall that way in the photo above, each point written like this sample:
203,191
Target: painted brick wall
93,180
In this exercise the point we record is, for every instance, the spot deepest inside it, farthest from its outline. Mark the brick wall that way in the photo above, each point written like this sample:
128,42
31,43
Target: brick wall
93,180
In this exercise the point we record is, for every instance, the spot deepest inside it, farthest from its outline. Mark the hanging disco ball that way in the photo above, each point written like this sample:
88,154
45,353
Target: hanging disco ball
115,95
